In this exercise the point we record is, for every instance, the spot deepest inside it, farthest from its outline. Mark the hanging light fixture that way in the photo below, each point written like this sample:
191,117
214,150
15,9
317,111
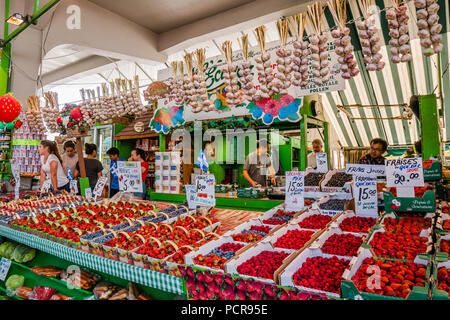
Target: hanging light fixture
18,19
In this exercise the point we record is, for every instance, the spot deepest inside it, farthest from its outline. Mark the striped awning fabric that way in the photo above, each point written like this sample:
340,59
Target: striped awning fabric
395,84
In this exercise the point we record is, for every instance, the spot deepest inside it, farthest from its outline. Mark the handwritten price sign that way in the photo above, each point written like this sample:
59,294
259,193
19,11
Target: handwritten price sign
190,195
366,170
130,176
322,162
295,188
365,194
406,172
205,192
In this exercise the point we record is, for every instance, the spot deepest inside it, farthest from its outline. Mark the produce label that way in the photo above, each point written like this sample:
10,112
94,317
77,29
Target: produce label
73,187
5,264
295,188
425,204
88,193
366,170
205,191
190,195
100,185
322,162
130,176
365,194
406,172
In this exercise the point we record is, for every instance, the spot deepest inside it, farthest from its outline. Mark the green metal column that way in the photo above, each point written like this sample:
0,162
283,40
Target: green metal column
303,143
429,126
6,54
326,142
162,142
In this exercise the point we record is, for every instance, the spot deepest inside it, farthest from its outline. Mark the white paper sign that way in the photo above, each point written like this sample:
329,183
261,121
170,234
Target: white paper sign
5,264
100,185
366,170
88,193
365,194
295,188
73,187
205,193
405,192
322,162
405,172
130,176
190,195
46,186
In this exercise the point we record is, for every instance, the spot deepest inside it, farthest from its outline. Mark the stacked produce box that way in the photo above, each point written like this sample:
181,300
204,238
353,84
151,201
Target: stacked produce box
168,172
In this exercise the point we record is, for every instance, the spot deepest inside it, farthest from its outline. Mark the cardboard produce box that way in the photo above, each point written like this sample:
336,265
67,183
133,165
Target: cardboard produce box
324,236
273,238
346,188
312,212
350,214
438,294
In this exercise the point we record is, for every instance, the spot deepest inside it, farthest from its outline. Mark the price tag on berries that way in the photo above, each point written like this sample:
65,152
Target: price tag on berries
190,195
365,194
88,193
98,189
205,192
295,188
45,186
73,187
5,264
322,162
406,172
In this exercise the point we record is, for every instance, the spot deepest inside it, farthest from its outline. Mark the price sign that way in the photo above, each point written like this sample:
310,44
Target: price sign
405,172
73,187
88,193
295,188
366,170
46,186
365,194
205,193
130,176
190,195
100,185
5,264
322,162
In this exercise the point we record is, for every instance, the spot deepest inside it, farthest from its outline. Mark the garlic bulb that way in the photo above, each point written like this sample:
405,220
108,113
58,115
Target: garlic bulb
429,26
398,24
370,46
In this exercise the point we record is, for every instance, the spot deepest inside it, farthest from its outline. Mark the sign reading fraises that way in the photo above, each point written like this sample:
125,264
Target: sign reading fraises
130,176
405,172
205,191
365,194
295,188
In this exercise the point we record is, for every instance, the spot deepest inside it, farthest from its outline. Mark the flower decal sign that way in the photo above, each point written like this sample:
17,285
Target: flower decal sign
277,108
167,116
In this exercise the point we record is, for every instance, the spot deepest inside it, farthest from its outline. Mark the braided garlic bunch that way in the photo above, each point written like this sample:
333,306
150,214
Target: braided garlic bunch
282,79
264,66
85,108
301,51
200,81
180,96
34,116
245,73
230,75
398,25
429,26
190,88
50,112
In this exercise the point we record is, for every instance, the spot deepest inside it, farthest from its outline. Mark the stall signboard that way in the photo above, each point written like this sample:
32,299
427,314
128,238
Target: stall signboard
322,162
366,170
190,195
268,110
205,192
405,172
130,176
16,174
365,195
167,115
295,188
5,264
88,193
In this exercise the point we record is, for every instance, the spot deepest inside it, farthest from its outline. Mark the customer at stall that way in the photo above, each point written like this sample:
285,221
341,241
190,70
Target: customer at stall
378,147
113,154
139,156
317,148
258,164
69,157
93,167
51,167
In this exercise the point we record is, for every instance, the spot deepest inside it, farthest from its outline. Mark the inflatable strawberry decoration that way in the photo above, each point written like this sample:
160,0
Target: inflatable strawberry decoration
9,108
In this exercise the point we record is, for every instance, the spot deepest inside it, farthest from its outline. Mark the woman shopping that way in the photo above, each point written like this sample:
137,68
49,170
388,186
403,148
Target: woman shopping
93,167
139,156
51,167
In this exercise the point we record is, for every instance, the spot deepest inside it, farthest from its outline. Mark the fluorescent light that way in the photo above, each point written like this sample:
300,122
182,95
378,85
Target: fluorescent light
16,19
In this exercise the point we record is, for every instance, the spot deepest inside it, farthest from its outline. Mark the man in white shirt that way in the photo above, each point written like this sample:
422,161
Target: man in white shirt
317,148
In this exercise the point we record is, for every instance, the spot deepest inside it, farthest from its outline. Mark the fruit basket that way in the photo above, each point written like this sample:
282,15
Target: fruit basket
336,242
442,247
279,216
214,254
389,244
313,220
252,227
349,221
336,181
440,281
331,204
399,279
312,270
292,238
313,178
260,262
443,223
